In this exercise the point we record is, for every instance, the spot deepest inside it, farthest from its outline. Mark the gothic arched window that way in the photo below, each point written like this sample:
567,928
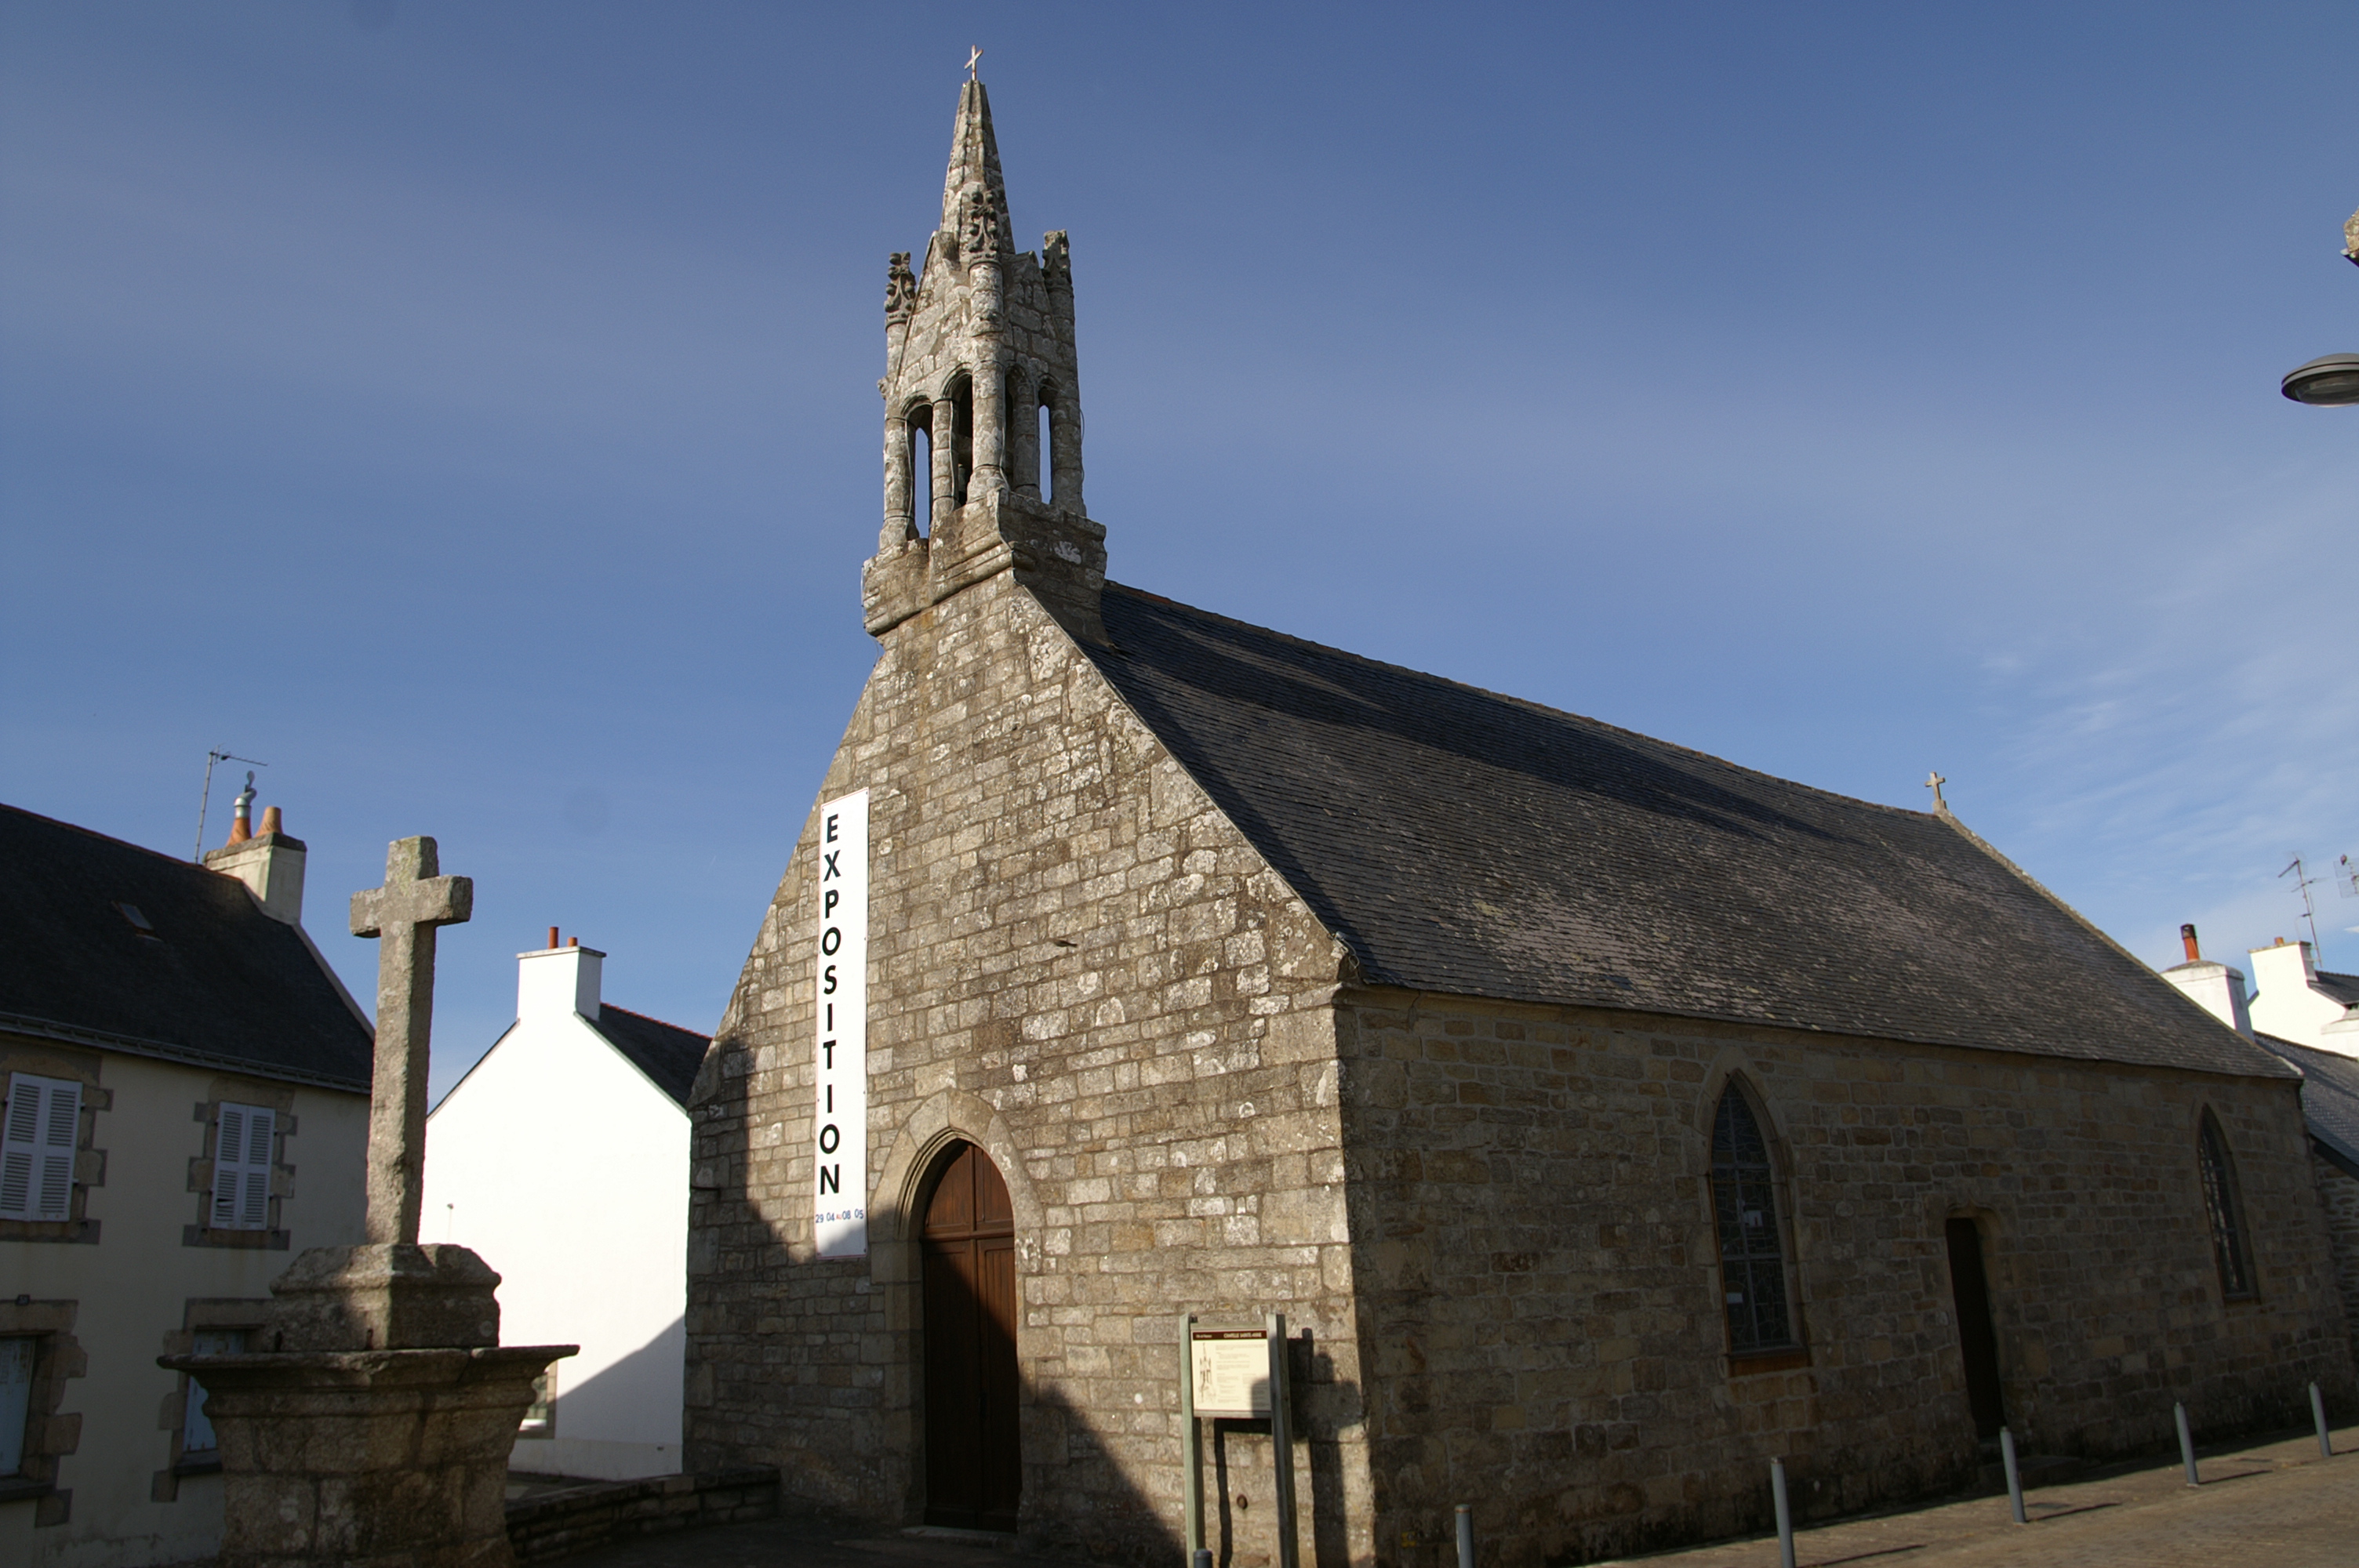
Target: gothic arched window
2220,1208
1745,1205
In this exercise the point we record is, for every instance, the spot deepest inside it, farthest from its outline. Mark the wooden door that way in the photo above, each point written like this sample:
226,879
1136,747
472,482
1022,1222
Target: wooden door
1977,1335
974,1469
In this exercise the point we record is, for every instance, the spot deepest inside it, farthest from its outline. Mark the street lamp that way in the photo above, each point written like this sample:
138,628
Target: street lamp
2330,380
2327,382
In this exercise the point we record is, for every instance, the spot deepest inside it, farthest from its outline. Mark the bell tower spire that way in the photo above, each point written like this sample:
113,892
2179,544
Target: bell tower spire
978,355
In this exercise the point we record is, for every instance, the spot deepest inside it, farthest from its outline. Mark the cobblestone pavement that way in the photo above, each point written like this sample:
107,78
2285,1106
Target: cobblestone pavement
2273,1504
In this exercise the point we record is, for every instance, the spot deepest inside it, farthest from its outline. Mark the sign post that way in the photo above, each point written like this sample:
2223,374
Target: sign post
1238,1374
1195,1457
1281,1441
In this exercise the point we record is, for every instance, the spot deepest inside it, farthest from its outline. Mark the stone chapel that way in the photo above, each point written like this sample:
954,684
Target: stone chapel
1606,1117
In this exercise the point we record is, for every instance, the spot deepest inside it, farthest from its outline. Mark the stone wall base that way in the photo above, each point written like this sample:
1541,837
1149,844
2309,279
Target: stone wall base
367,1458
559,1523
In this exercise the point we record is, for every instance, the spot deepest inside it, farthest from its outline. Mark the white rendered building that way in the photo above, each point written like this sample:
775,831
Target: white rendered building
2295,1000
562,1158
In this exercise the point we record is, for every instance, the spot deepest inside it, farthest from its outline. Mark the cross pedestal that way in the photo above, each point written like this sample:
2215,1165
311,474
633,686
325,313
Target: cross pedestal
374,1430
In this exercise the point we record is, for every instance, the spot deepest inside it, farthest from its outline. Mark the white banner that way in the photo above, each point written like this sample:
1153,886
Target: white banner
840,1106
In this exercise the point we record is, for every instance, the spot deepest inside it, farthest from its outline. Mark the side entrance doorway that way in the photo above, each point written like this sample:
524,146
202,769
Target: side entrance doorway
1977,1335
974,1470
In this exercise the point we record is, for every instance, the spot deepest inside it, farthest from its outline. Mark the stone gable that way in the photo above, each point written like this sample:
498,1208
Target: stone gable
1080,966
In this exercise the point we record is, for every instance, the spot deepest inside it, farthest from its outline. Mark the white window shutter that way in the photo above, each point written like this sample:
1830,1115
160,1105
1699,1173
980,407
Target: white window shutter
242,1168
255,1212
20,1149
229,1165
60,1120
37,1147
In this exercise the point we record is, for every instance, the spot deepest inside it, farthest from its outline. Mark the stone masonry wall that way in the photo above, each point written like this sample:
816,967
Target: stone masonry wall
2339,1190
1078,964
1536,1262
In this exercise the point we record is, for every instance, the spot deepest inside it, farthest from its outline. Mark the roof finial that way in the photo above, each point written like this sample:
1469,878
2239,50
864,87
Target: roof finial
1934,783
974,54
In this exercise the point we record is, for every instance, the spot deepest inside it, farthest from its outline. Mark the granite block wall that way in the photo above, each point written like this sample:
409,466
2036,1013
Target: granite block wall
2338,1191
1541,1313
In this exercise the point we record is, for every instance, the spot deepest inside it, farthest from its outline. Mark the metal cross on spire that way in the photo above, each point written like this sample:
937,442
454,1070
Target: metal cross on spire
1934,783
974,54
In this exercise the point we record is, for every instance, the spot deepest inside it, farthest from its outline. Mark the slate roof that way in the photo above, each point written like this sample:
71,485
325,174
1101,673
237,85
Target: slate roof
2343,989
666,1053
1461,841
2329,1097
219,983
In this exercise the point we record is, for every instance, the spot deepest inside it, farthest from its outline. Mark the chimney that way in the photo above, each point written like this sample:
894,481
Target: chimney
2216,988
2294,1003
269,863
559,982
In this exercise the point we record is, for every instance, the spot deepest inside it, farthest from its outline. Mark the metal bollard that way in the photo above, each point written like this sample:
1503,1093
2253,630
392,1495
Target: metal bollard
1203,1557
2317,1414
1466,1535
2014,1476
1785,1515
2186,1446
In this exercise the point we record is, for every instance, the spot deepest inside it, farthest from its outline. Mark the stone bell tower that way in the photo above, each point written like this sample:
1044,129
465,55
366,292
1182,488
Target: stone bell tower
978,348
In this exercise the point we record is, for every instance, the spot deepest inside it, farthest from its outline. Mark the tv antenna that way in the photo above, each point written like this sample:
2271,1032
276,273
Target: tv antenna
2303,882
205,800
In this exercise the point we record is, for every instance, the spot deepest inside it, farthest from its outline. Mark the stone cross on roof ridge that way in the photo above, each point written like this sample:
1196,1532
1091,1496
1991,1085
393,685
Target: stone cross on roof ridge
402,916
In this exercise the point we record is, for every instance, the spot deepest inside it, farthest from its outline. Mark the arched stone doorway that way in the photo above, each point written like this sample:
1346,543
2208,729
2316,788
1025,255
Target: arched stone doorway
974,1470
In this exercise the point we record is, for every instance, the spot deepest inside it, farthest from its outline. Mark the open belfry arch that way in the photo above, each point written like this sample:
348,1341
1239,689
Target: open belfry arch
1594,1111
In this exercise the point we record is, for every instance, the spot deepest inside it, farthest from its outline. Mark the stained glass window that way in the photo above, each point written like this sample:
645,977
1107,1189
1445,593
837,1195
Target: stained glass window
2220,1208
1745,1204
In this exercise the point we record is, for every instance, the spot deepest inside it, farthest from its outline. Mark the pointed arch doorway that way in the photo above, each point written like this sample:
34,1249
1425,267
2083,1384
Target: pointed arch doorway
974,1470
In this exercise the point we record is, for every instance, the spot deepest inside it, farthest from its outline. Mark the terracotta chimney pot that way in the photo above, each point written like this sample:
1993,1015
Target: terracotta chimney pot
2187,935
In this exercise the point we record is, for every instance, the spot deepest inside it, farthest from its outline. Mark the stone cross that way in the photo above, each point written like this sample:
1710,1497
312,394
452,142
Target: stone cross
1934,783
402,916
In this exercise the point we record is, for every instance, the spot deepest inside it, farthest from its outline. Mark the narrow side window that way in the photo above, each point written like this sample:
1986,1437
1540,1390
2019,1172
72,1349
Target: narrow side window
2219,1207
1745,1205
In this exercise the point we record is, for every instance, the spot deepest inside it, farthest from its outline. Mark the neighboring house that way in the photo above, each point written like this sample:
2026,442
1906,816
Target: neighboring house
2295,1000
2330,1076
562,1158
187,1109
1607,1119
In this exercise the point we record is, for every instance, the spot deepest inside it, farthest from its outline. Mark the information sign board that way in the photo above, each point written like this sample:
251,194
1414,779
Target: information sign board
1230,1369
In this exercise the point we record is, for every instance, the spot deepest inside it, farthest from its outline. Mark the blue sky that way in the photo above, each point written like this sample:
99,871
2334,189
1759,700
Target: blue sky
469,410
